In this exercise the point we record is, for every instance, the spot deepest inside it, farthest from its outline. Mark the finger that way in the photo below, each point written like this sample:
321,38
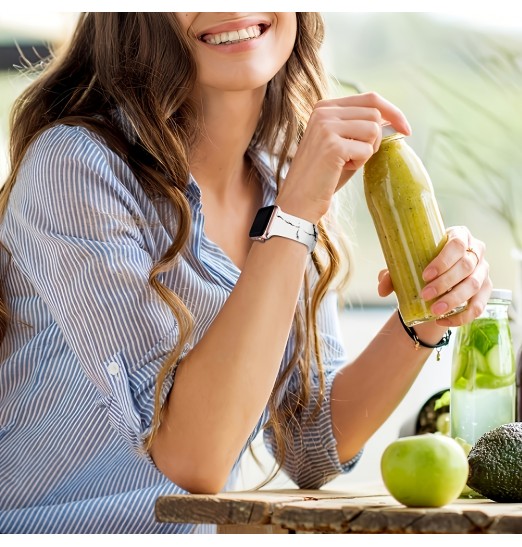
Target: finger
474,308
385,286
464,268
349,113
472,251
355,153
471,266
388,111
464,291
458,241
359,130
381,275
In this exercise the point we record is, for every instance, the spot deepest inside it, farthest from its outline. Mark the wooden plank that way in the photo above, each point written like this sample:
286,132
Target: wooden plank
249,507
328,515
412,521
220,509
506,524
323,511
250,529
482,519
315,519
382,514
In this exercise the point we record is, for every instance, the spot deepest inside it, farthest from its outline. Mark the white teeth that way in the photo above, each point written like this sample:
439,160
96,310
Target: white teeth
232,36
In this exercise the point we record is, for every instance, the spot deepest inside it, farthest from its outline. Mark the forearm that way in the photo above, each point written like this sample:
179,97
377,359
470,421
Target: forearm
224,383
367,391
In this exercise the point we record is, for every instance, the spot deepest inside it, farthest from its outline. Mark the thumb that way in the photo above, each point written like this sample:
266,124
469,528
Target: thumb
385,286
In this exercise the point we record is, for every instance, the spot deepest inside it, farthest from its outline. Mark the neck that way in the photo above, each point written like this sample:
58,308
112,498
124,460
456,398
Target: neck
229,122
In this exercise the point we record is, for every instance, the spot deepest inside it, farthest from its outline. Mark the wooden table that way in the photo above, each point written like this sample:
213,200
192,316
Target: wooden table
361,510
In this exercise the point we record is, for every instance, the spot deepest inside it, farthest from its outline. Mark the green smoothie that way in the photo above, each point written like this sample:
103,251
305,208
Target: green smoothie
404,210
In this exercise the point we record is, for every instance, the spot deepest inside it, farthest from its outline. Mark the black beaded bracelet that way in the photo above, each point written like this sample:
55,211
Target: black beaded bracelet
444,341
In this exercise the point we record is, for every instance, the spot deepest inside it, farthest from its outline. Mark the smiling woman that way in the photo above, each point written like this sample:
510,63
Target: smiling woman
149,333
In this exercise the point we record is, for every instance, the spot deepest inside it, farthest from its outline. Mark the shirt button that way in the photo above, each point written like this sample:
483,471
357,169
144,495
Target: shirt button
113,368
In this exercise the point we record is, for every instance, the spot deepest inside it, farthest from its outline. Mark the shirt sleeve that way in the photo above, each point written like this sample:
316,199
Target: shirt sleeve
76,228
312,459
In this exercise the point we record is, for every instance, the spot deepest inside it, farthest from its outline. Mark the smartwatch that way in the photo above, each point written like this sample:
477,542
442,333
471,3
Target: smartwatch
271,221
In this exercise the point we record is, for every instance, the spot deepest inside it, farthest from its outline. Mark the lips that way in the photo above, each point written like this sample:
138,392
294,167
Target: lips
234,36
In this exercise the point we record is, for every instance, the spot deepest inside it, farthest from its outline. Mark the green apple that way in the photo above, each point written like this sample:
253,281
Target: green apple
427,470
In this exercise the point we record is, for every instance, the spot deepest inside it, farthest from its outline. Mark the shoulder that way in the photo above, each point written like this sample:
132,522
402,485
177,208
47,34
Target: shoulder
71,182
69,179
71,160
63,146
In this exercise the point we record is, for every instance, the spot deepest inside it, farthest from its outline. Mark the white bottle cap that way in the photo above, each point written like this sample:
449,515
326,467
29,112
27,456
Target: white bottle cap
501,294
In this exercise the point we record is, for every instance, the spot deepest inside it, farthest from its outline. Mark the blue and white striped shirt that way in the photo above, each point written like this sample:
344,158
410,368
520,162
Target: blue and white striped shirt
88,335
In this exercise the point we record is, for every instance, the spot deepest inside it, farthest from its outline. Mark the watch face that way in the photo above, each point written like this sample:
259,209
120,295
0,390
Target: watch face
261,221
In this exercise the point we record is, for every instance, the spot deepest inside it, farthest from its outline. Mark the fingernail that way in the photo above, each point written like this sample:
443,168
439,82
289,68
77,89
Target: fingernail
439,308
429,274
428,293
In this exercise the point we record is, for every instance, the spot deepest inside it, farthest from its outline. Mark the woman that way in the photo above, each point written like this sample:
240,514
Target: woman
147,337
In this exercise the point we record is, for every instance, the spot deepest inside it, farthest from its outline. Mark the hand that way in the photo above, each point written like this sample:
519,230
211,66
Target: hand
341,135
460,273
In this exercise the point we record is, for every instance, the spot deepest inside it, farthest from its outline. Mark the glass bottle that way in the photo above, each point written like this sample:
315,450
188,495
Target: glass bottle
402,203
483,387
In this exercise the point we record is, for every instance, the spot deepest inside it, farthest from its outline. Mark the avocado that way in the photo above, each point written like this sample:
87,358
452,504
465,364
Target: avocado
495,464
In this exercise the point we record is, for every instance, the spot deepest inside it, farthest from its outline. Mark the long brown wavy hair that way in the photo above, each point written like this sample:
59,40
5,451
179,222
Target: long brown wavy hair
116,61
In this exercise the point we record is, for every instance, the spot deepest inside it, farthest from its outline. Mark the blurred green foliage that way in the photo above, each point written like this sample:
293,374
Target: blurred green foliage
461,89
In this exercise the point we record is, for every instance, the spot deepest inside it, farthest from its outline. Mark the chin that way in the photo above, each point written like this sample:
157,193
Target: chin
244,81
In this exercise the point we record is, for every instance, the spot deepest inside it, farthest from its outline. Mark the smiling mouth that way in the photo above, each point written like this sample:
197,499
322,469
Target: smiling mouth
234,36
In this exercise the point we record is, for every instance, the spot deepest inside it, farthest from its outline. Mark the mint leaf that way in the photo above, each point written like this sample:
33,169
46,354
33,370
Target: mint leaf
484,334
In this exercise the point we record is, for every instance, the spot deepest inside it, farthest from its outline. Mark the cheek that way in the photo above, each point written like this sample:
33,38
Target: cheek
287,23
185,19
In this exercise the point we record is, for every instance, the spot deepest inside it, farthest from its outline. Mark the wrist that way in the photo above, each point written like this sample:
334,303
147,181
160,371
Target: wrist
436,338
430,332
300,206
